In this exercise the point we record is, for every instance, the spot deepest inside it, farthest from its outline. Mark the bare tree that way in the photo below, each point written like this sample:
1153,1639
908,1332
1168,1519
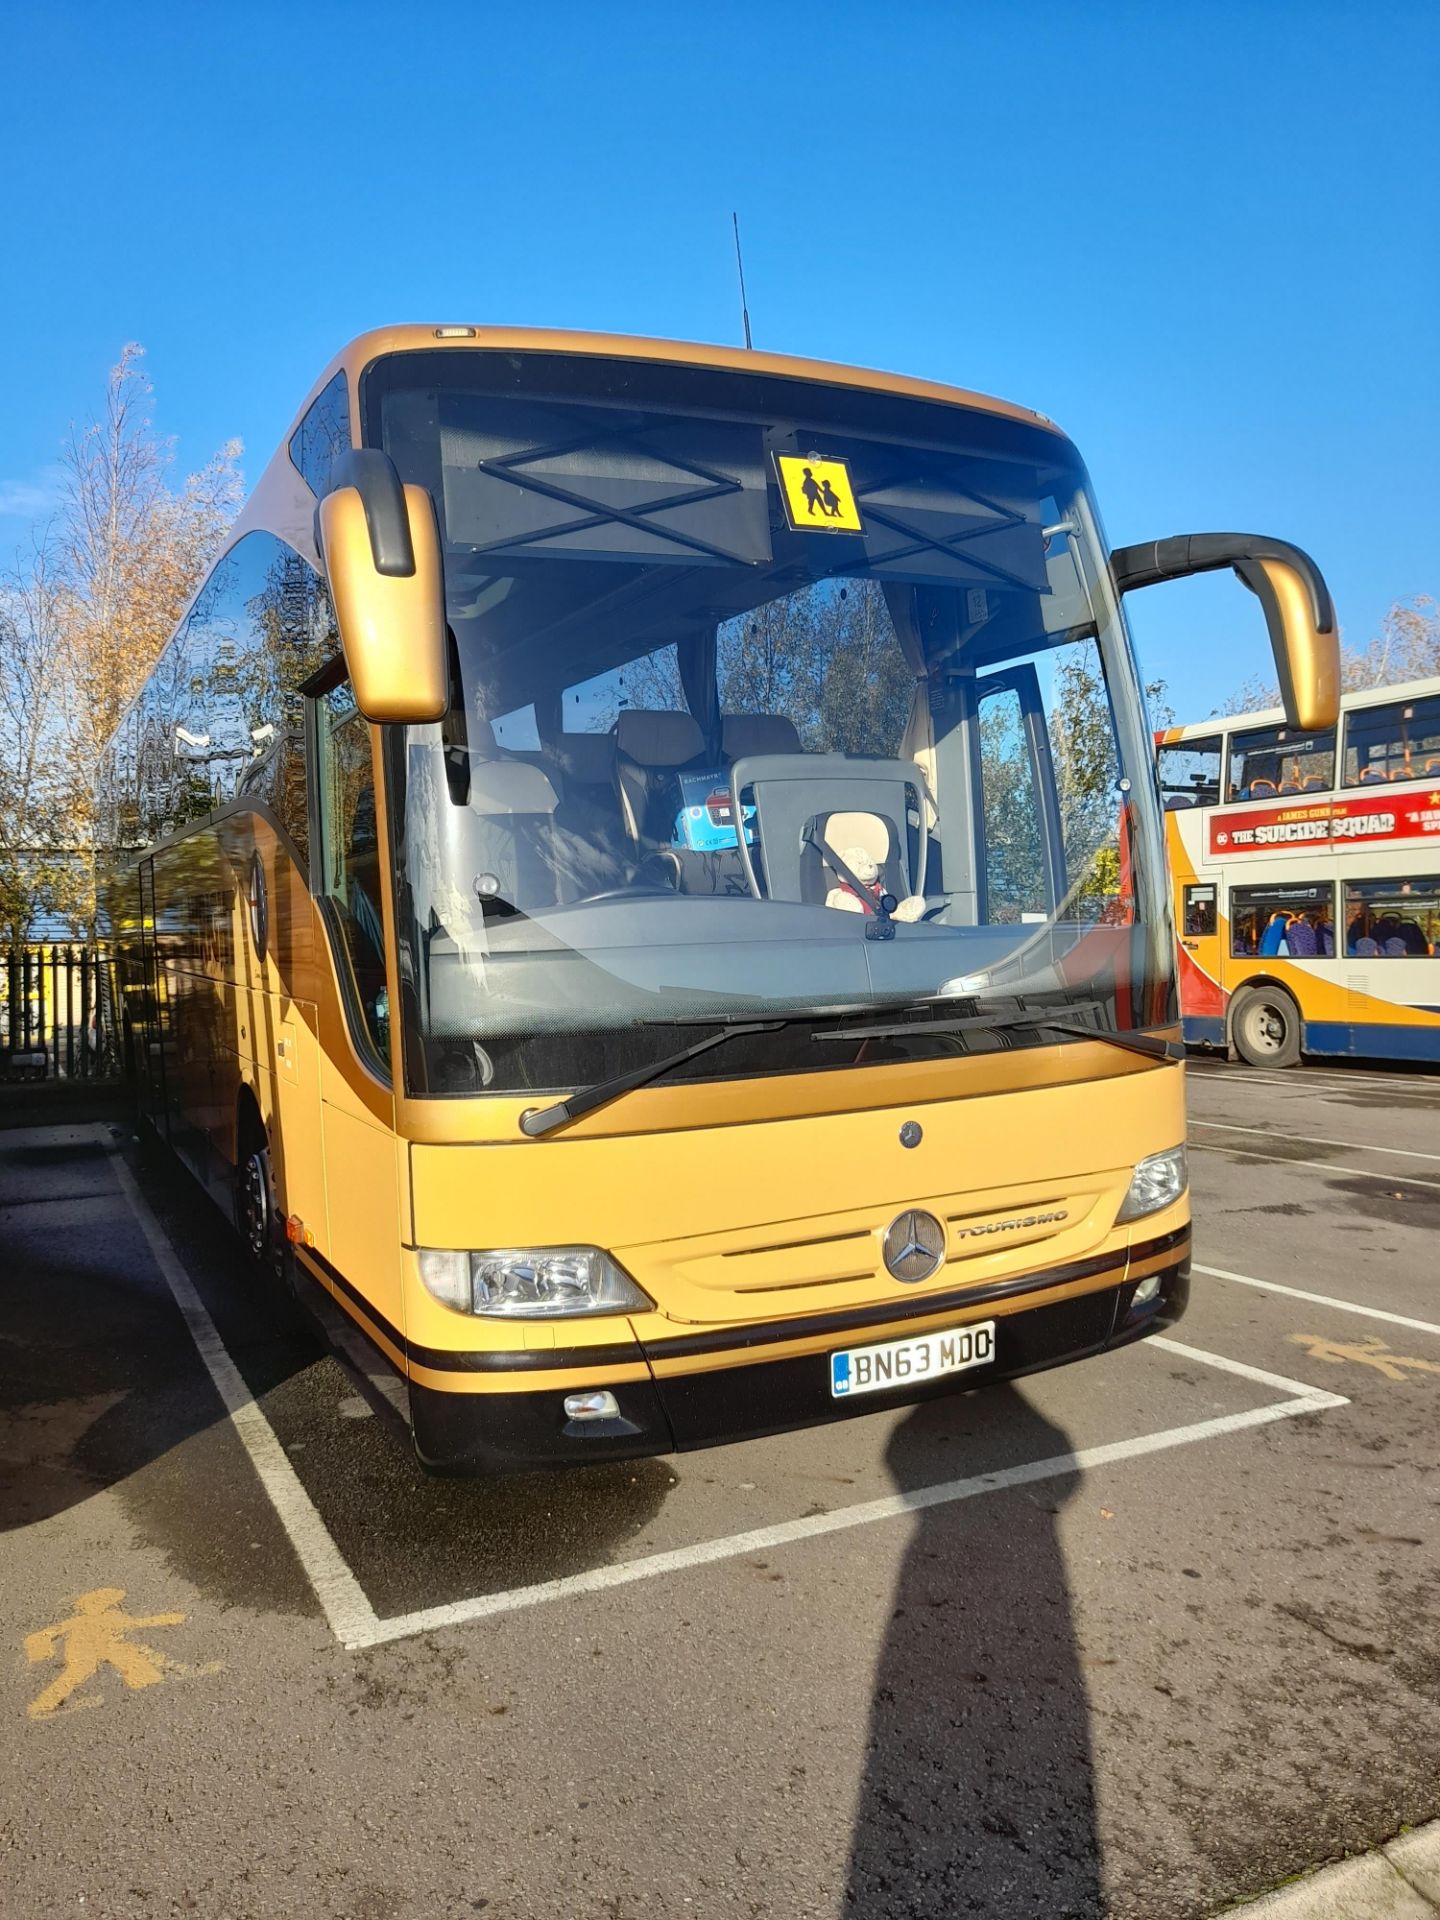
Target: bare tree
38,871
83,618
130,549
1407,647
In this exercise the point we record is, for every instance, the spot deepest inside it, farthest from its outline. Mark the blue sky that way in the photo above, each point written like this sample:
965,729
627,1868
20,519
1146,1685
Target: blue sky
1204,239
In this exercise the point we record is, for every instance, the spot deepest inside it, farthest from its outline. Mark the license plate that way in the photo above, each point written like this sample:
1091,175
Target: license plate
898,1363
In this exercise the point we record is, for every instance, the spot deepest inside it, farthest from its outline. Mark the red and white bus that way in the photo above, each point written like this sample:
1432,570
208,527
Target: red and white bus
1306,868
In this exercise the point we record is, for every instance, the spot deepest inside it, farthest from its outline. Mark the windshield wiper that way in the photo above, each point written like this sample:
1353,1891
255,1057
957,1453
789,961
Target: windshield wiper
1131,1039
1128,1039
536,1121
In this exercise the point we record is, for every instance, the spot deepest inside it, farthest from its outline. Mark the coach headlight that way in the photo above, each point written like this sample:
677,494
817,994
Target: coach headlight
531,1283
1155,1183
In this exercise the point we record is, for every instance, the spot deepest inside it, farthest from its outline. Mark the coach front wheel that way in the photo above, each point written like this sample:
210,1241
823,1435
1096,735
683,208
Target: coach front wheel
1265,1027
255,1213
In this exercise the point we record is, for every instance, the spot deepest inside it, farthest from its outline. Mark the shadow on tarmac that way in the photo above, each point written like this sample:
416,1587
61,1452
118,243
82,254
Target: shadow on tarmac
101,1387
98,1376
977,1795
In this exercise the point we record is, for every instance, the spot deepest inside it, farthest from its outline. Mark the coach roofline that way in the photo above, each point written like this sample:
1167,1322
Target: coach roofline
282,504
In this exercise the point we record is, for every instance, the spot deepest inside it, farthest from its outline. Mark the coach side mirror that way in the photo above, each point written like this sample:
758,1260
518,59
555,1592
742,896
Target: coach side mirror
1291,589
380,544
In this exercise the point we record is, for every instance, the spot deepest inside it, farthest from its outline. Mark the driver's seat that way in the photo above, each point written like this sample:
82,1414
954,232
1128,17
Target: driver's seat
651,747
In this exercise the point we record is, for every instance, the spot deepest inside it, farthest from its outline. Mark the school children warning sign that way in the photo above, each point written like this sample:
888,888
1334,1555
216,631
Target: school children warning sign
817,494
1325,823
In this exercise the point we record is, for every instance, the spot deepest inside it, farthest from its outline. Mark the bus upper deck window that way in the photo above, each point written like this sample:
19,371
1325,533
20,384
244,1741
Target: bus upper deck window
1271,763
1398,741
1190,772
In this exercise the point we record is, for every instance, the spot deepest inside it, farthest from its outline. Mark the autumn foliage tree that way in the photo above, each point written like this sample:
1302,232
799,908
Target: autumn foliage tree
83,617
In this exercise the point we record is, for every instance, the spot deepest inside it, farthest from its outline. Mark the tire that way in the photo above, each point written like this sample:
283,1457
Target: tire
256,1217
1265,1027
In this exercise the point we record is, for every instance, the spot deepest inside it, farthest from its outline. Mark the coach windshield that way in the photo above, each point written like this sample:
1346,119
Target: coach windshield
768,698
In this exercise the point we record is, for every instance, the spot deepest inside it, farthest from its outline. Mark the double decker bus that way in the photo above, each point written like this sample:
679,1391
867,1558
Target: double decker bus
640,881
1306,867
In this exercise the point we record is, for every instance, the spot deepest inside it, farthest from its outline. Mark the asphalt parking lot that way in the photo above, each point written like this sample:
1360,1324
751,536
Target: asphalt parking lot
1134,1638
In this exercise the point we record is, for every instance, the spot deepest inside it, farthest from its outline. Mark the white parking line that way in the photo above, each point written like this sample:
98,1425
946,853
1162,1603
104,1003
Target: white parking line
1321,1299
866,1513
341,1597
1301,1077
355,1623
1409,1096
1314,1140
1241,1368
1319,1166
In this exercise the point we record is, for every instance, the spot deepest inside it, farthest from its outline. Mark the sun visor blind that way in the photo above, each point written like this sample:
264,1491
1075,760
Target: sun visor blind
521,478
926,523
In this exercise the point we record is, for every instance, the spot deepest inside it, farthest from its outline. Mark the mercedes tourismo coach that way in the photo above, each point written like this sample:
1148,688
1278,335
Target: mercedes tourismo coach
646,886
1306,866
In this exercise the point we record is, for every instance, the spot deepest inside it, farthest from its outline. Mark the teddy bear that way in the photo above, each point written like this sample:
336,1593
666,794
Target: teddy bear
866,870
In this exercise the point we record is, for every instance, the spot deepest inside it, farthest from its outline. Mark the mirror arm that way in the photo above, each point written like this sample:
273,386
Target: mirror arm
330,674
374,477
1187,553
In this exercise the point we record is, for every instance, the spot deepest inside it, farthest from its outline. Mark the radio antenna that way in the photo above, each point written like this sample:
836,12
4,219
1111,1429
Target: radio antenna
740,269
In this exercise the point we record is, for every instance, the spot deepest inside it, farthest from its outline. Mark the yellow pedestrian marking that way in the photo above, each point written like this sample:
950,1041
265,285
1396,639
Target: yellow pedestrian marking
817,493
97,1635
1370,1352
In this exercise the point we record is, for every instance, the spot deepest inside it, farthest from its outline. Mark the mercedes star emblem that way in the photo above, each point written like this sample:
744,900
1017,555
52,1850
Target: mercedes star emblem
914,1246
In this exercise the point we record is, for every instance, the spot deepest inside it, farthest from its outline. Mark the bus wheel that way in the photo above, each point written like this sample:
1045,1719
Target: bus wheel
255,1212
1265,1027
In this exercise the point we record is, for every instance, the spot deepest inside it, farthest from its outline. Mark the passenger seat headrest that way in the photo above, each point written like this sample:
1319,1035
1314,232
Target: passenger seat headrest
845,830
656,739
756,733
510,786
587,758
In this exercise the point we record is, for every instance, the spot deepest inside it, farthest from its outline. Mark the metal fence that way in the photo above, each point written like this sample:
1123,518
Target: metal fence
57,1013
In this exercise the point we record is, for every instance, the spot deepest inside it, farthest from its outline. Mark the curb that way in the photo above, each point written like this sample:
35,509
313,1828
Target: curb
1399,1881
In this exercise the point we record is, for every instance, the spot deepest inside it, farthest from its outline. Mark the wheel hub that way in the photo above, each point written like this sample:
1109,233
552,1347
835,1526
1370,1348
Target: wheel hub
255,1207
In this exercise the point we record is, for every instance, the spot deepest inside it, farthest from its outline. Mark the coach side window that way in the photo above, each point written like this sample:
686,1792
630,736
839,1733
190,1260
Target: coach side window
350,866
225,692
322,436
291,631
220,716
1190,772
205,700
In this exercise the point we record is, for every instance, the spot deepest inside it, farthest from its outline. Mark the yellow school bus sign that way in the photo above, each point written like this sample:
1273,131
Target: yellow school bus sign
817,494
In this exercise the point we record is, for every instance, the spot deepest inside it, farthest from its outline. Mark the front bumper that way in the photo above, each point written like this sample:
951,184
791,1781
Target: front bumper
489,1432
